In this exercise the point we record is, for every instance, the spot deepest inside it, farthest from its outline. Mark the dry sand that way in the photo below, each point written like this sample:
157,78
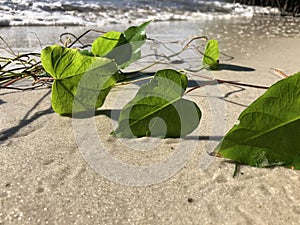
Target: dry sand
46,180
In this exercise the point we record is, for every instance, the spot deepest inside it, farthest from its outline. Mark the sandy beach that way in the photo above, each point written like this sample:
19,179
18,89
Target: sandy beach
47,177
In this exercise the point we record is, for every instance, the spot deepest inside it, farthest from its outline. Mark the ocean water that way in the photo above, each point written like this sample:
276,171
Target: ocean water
101,12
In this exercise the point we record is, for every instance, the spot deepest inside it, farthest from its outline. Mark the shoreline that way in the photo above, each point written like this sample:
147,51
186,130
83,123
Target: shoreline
234,32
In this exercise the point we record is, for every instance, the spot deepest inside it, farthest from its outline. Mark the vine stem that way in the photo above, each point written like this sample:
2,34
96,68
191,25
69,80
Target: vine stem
188,44
212,81
168,57
44,79
280,73
77,39
11,82
242,84
195,38
22,89
227,82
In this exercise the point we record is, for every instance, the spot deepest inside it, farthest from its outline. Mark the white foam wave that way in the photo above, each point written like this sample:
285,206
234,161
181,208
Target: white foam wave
66,13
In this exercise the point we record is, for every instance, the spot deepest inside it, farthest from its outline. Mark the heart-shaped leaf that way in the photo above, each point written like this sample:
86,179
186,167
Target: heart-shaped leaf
123,47
268,130
136,36
78,77
158,109
113,45
211,55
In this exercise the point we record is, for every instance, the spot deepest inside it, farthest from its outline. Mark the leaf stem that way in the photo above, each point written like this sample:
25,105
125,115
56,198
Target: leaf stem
77,39
242,84
236,169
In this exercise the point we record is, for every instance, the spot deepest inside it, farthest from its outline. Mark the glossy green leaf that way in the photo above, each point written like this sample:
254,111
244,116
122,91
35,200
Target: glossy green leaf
113,45
85,79
268,130
211,55
124,48
136,36
158,109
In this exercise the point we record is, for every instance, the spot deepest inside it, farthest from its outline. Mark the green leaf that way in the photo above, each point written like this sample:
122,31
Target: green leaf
268,131
136,36
86,52
158,109
113,45
136,33
124,48
81,82
211,55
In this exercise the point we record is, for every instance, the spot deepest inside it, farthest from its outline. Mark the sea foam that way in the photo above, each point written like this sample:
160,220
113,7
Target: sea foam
101,12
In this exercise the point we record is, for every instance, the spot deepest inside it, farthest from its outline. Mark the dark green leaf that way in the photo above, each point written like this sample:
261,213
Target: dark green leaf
269,129
211,55
85,79
158,109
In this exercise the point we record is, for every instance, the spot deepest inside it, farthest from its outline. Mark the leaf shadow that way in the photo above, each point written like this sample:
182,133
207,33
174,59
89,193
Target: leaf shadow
115,113
2,102
225,98
203,138
231,67
196,83
110,113
26,120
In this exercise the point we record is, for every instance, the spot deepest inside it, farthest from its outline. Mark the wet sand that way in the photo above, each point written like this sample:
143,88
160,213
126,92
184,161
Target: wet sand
47,176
